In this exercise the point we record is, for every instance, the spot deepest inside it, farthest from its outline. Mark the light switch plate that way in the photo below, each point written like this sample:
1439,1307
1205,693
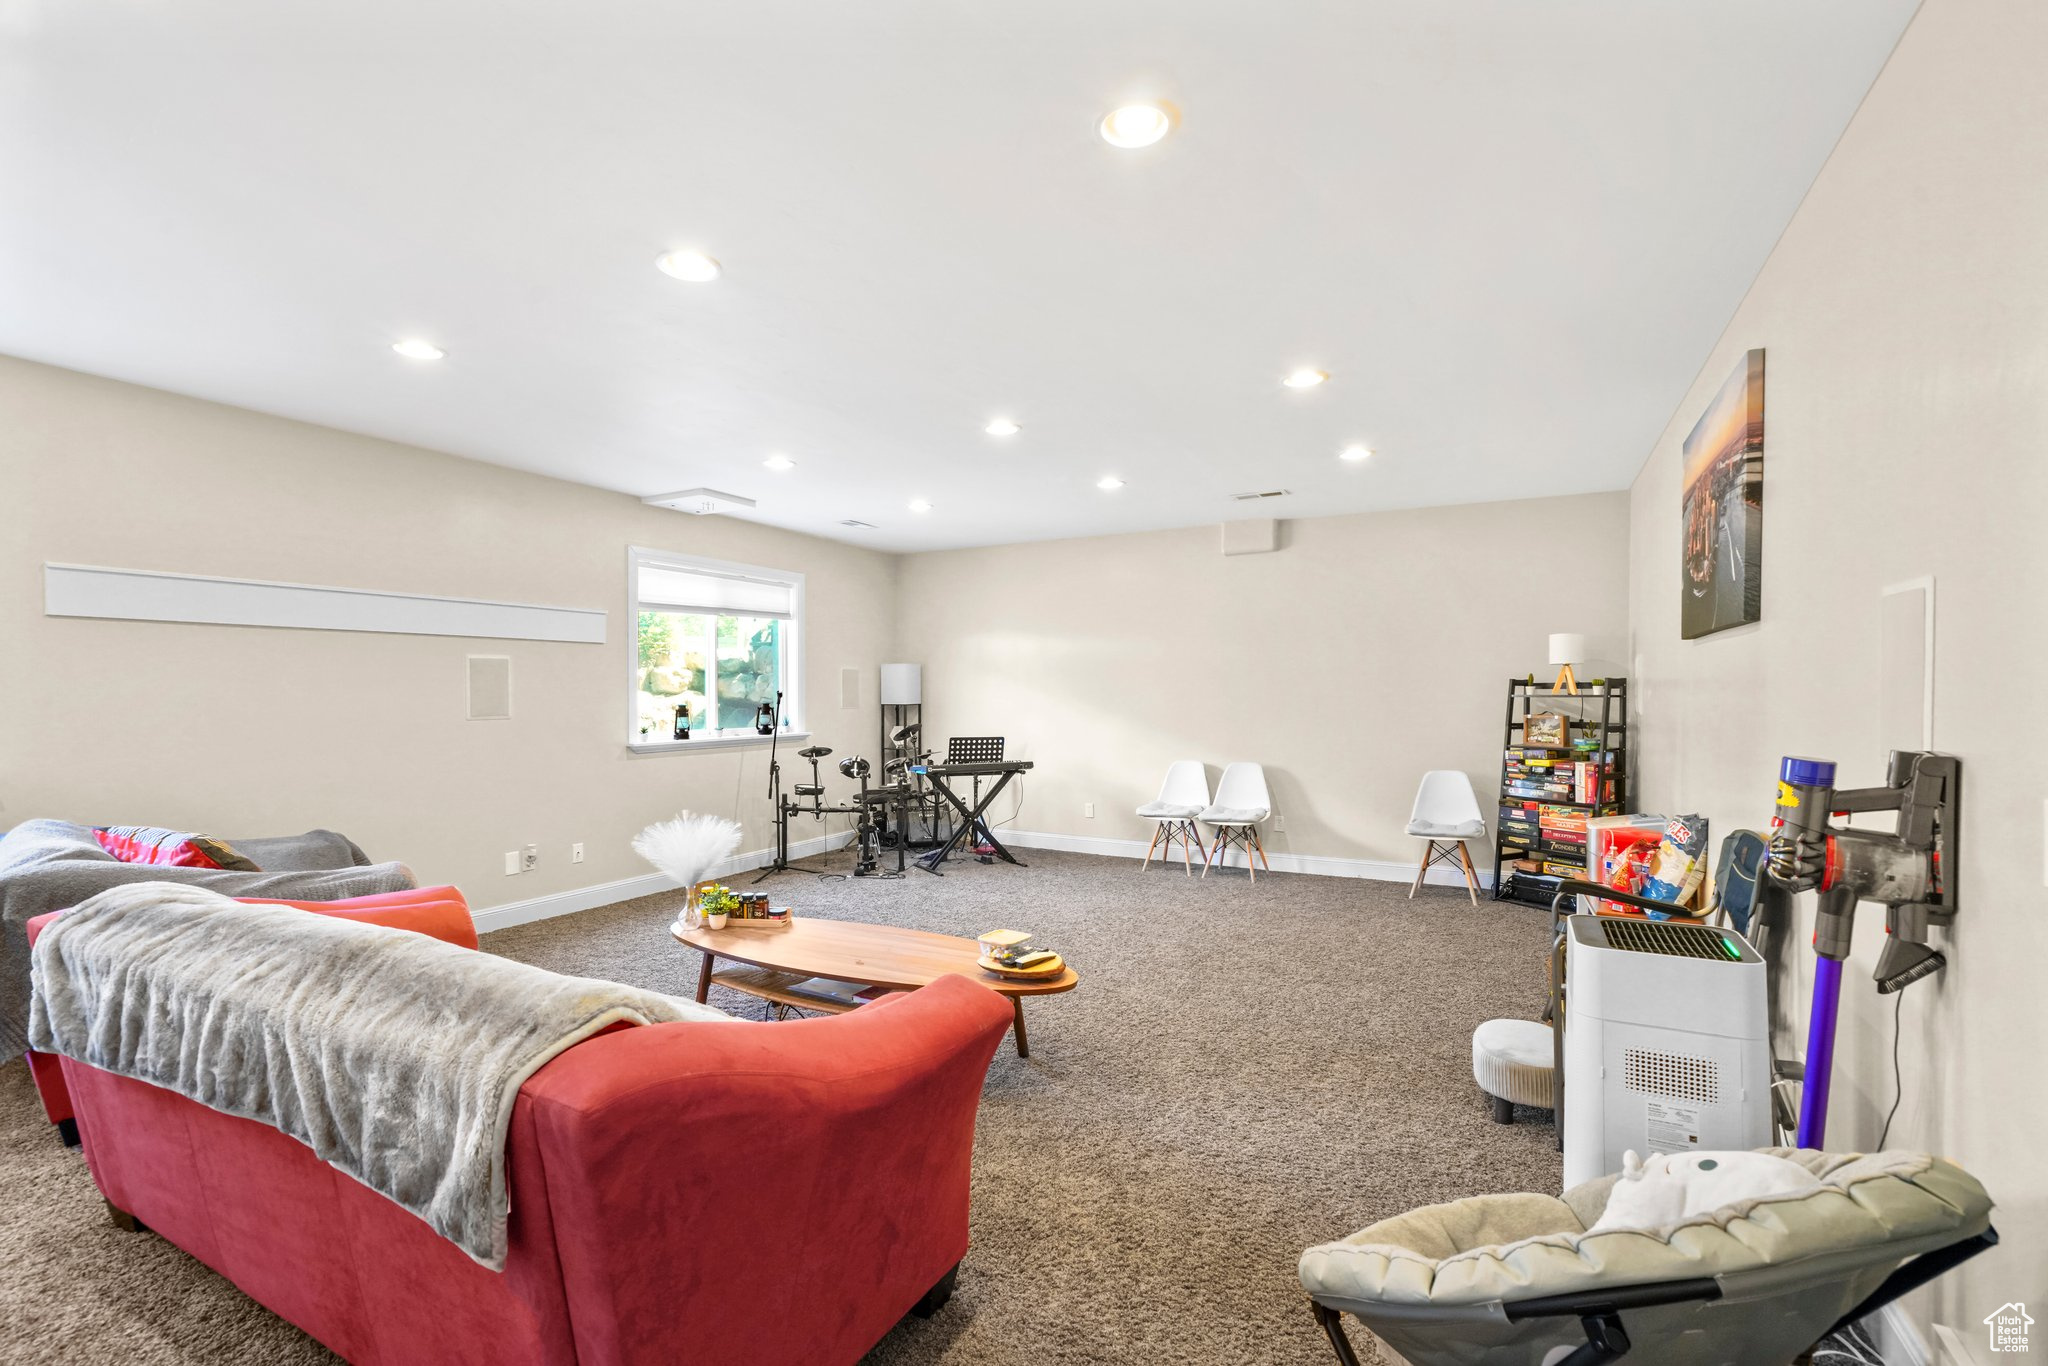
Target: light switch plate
512,864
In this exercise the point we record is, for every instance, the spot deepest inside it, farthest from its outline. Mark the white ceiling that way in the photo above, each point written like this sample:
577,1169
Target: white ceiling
1509,230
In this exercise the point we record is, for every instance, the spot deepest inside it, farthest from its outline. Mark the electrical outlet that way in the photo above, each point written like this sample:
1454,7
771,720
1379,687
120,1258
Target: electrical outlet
1088,810
512,864
1280,824
532,859
575,853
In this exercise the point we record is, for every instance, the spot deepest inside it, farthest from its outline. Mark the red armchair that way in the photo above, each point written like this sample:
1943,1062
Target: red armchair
438,911
706,1192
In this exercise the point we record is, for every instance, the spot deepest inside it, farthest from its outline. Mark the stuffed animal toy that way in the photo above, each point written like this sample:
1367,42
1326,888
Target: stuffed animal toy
1671,1188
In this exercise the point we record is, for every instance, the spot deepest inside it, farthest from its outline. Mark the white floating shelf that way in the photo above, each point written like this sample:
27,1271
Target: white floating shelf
77,590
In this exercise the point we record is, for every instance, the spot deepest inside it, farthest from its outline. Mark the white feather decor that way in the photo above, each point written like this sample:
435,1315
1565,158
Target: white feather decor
688,847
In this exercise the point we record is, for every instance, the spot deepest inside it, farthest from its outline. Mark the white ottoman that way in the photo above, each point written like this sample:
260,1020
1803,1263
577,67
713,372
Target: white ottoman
1514,1062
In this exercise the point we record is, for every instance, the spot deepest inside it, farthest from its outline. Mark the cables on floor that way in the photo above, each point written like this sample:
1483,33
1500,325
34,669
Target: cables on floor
1016,810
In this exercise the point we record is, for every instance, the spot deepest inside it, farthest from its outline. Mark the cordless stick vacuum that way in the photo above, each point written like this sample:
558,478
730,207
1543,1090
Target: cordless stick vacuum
1912,871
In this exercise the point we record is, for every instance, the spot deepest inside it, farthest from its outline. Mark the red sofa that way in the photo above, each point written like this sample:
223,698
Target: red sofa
438,911
716,1193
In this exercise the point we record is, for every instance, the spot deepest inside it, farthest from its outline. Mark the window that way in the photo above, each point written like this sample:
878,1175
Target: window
720,639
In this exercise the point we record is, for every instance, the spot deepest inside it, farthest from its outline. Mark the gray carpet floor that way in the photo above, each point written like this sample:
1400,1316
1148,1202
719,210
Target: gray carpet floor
1244,1071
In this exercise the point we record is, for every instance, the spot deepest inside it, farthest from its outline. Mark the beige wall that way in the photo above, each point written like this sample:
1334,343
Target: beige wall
256,731
1364,652
1384,641
1905,316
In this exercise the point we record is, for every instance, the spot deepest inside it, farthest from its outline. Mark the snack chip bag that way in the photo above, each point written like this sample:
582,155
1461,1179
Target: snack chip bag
1679,866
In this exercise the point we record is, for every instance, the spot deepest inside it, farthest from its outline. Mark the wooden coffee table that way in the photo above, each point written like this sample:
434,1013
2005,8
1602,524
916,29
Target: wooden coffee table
880,958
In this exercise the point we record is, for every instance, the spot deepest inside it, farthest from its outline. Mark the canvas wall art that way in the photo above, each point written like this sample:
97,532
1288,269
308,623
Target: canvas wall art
1723,490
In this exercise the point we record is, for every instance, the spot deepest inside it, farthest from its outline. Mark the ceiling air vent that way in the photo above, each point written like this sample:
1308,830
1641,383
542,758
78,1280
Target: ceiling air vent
1255,497
701,501
858,524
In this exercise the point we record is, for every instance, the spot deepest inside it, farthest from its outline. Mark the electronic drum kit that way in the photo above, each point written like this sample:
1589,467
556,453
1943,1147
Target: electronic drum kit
870,806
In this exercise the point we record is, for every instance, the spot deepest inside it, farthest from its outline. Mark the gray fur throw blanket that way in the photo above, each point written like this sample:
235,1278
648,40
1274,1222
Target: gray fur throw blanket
51,865
394,1056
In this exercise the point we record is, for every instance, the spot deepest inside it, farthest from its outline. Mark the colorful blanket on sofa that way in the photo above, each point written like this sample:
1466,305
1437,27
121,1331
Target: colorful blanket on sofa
50,865
395,1057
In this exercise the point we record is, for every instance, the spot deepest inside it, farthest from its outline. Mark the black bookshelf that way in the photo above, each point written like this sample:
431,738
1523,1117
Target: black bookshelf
1533,779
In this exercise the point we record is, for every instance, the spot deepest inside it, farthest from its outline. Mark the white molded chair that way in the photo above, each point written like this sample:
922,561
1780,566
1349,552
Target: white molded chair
1241,803
1446,814
1182,797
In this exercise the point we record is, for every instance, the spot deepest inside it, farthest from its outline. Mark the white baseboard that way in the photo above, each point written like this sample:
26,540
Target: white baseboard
512,913
1898,1342
1316,865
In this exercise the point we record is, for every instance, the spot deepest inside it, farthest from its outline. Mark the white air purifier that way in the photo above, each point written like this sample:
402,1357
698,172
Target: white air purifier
1666,1042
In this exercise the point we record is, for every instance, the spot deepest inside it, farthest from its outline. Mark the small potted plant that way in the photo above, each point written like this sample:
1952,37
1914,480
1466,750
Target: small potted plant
717,903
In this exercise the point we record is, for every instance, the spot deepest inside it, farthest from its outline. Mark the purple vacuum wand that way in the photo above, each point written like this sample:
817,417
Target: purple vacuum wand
1799,859
1906,870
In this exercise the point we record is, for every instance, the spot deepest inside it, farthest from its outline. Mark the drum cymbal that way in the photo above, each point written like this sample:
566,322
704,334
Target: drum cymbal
814,752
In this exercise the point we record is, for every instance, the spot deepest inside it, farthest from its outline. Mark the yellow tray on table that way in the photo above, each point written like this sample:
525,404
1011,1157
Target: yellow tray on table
1051,967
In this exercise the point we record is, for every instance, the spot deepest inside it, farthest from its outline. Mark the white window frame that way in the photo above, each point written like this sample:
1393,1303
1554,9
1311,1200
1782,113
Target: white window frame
792,651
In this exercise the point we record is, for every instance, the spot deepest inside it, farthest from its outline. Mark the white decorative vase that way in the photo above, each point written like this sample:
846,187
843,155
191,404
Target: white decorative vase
717,921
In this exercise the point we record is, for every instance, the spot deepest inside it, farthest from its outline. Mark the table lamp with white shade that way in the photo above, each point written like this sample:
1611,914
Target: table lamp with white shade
1565,651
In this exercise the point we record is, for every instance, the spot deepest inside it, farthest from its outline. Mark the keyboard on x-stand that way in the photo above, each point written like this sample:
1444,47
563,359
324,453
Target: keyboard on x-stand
972,770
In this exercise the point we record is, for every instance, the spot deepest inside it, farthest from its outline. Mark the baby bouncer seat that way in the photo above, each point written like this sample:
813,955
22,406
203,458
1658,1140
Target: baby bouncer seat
1519,1280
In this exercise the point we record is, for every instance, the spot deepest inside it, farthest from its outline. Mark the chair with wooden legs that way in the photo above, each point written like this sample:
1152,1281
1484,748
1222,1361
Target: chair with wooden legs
1182,797
1241,803
1445,815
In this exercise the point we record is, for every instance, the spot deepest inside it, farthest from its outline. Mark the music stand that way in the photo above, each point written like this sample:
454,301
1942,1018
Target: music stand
974,749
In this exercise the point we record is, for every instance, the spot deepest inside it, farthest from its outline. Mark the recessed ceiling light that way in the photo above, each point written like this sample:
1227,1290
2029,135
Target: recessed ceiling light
1001,426
1355,453
920,505
1305,379
693,266
1109,483
1137,125
413,348
779,463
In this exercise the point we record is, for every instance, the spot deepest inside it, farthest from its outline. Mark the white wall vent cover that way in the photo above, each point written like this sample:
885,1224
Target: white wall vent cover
700,502
490,688
1253,536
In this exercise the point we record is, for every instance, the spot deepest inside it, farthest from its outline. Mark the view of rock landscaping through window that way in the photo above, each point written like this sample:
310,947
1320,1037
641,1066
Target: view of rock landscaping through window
722,668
